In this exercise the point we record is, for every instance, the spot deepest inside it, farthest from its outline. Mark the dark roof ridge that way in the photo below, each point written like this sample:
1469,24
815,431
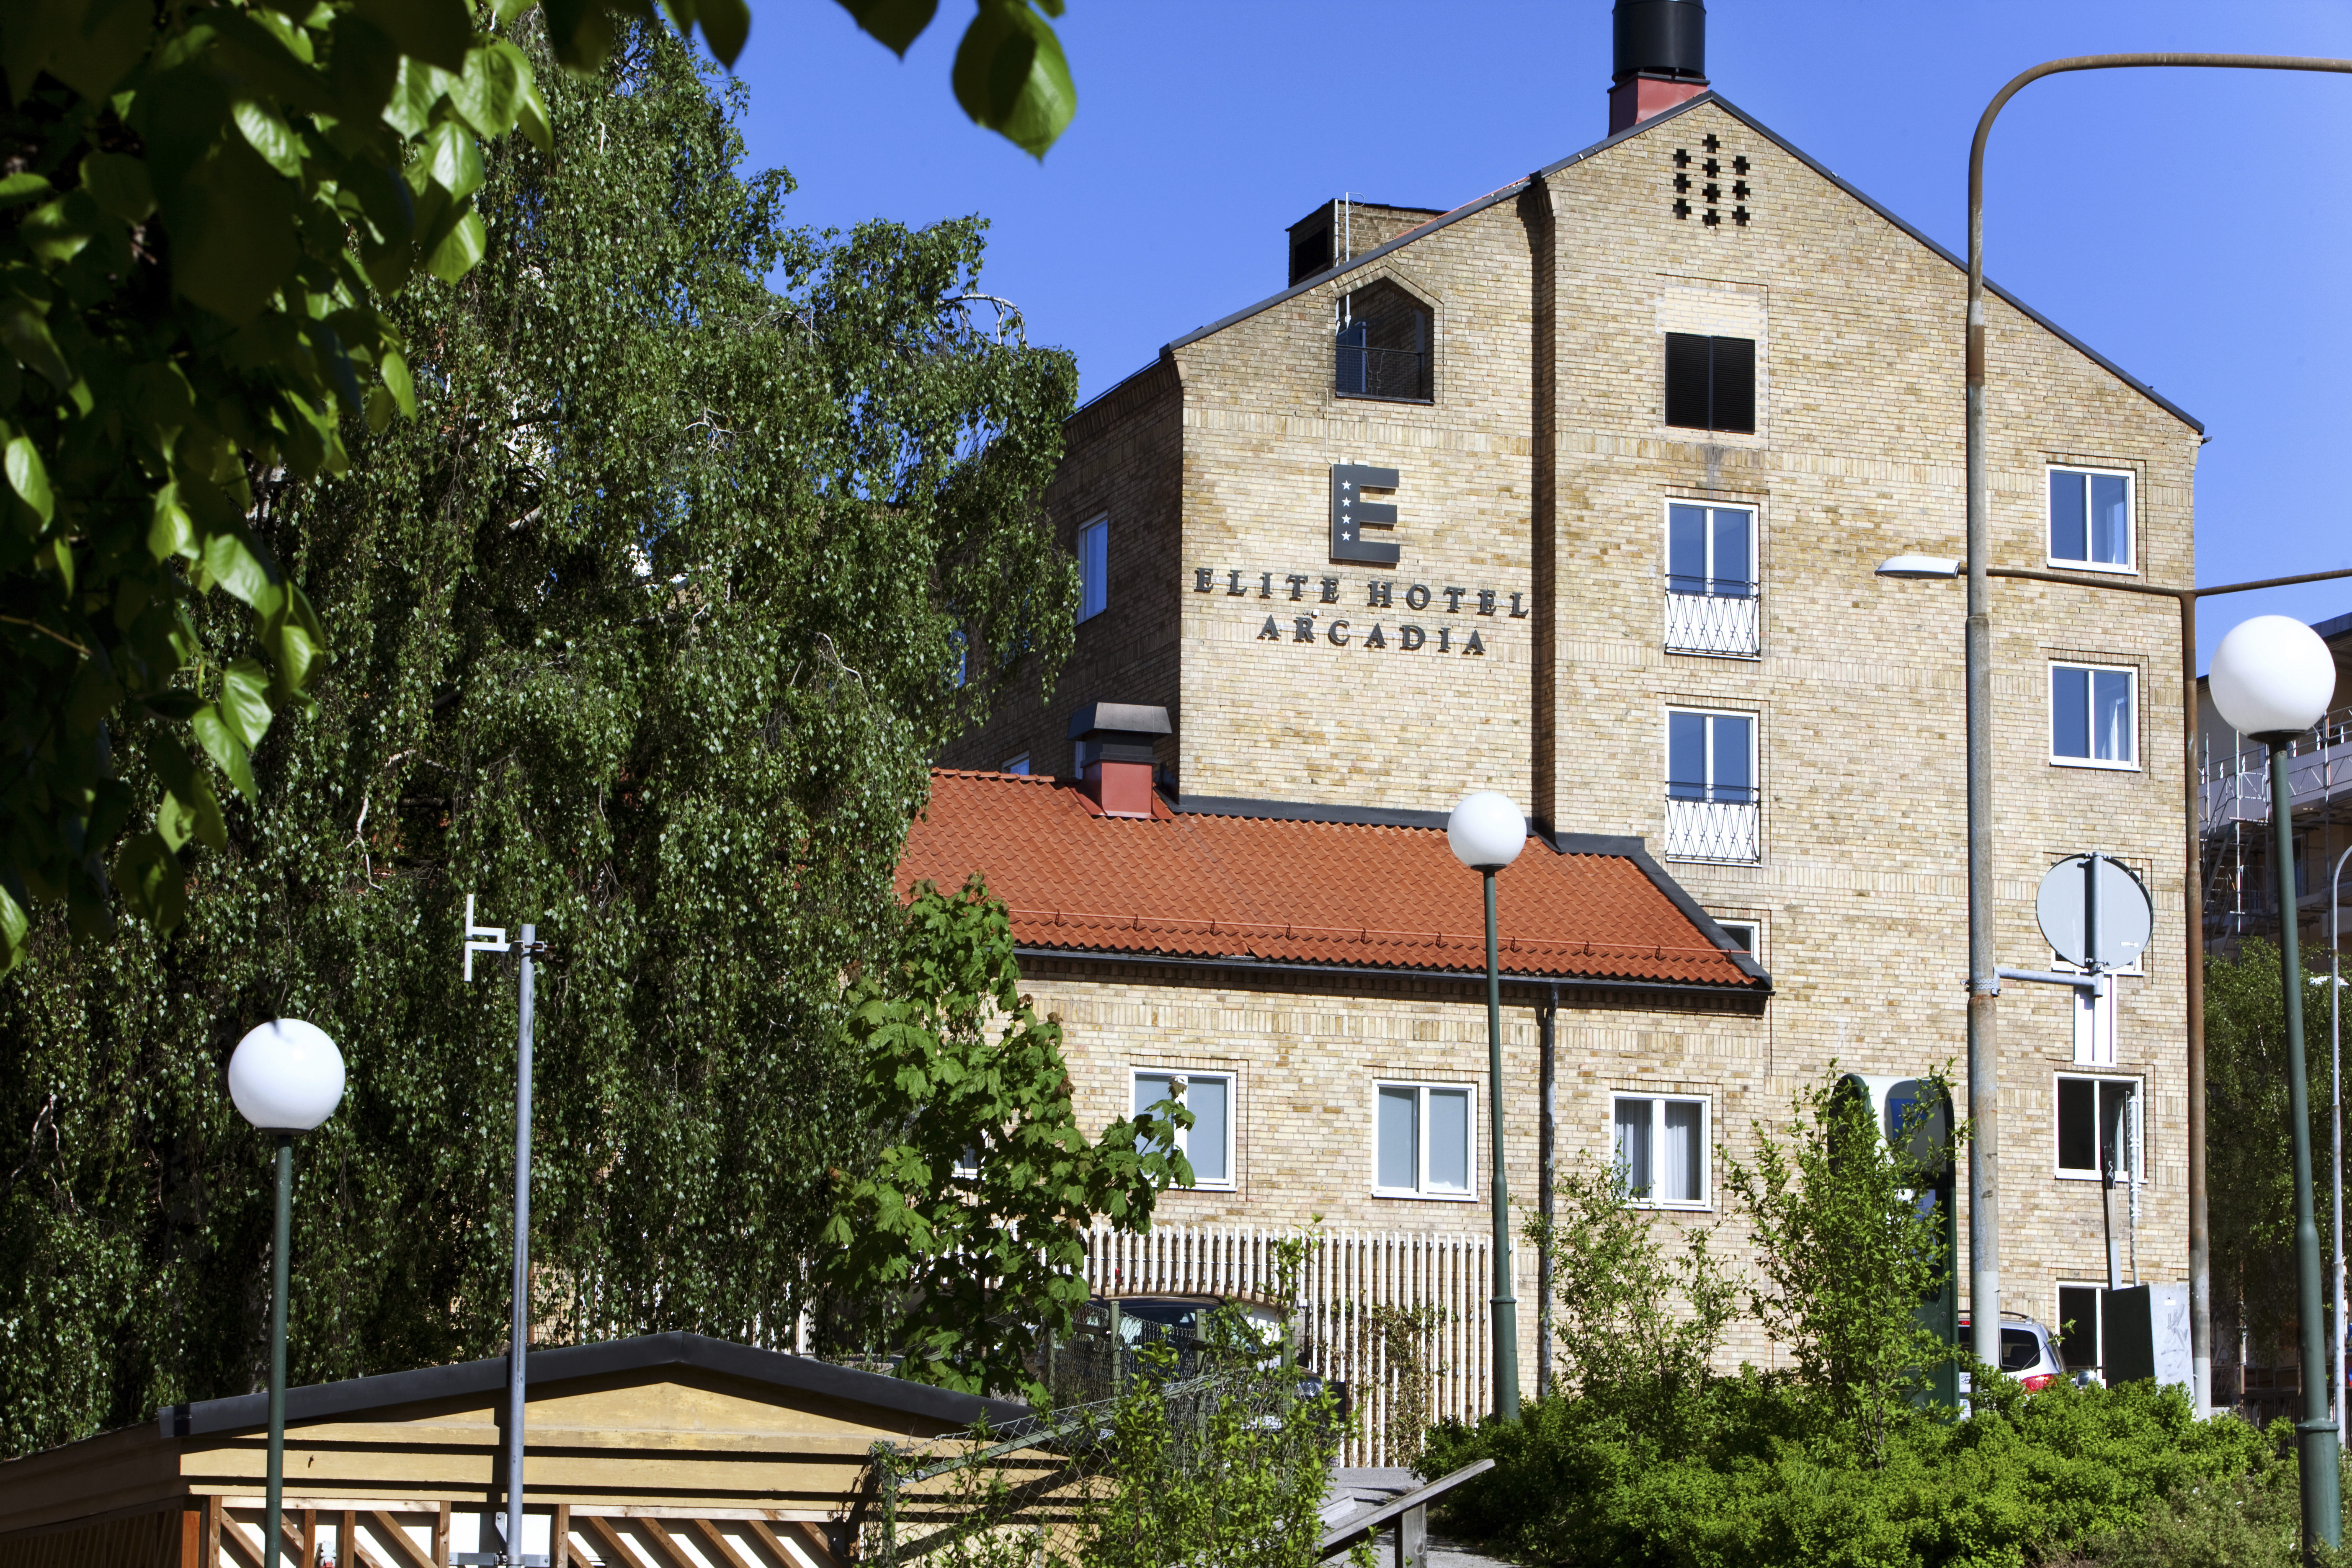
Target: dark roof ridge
317,1401
1482,203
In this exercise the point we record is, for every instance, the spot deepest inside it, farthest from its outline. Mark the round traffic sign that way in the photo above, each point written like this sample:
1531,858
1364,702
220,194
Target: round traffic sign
2090,903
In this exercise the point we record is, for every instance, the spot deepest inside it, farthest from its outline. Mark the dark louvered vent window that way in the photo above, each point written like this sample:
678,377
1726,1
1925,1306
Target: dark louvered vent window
1711,383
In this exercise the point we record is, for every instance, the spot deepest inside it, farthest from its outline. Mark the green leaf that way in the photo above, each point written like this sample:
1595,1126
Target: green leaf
27,335
436,31
236,563
505,12
275,57
455,255
268,135
56,232
117,183
531,114
414,91
147,875
172,531
398,382
21,187
485,95
896,22
29,477
93,51
454,158
213,735
363,66
14,923
726,25
245,702
381,407
1010,75
233,233
580,32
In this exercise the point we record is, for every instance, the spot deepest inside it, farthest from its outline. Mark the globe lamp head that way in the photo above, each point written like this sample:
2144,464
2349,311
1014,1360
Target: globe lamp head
2272,678
1486,831
286,1076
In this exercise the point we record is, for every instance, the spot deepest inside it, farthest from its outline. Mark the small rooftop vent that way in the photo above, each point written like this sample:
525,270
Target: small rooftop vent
1660,58
1116,753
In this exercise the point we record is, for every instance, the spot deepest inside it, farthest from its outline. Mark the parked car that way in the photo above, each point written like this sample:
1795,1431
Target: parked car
2029,1352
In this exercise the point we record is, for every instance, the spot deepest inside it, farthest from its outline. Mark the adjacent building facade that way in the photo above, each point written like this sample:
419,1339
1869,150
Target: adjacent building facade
1575,492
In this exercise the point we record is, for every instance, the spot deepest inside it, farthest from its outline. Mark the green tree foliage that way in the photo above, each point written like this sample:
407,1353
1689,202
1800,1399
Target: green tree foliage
967,1271
204,209
1844,1255
2249,1141
2049,1477
1639,1327
645,629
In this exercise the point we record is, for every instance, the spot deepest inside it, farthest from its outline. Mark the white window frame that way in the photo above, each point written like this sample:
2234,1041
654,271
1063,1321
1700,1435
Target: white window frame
1232,1180
1094,592
1709,625
1704,810
1755,930
1421,1192
1755,535
1705,1202
2050,725
2135,1137
1016,763
2130,567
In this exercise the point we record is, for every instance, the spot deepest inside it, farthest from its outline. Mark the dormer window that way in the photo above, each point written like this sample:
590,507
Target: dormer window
1383,345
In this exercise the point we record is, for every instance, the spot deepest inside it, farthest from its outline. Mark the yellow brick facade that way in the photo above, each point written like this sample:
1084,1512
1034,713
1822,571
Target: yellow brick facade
1541,469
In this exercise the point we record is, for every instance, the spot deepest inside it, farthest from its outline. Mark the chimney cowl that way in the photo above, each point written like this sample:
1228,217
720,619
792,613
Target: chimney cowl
1115,754
1660,38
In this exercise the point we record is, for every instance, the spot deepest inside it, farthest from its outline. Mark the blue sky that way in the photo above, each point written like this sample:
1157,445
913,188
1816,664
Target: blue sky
2192,225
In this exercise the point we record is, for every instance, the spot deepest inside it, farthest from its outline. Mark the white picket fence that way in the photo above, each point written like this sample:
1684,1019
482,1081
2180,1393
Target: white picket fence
1344,1278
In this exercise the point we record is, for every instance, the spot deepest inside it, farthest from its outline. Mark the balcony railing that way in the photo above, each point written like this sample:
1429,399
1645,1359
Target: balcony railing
1711,616
1399,374
2319,770
1730,831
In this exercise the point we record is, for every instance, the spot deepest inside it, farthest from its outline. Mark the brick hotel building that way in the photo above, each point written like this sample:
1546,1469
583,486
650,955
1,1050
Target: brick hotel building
1574,492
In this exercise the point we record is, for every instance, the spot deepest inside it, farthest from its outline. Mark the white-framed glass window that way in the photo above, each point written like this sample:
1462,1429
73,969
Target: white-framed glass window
2091,523
1711,580
1659,1145
2093,716
1208,1143
1747,936
1422,1136
2098,1127
1712,810
1094,568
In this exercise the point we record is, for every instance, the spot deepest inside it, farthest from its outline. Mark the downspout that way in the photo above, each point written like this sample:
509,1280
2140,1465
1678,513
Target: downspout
1547,1158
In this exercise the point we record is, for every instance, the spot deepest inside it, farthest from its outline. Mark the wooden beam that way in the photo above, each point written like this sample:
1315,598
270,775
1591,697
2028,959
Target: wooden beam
559,1553
441,1539
310,1538
608,1540
241,1549
396,1538
811,1538
728,1556
212,1531
347,1538
191,1536
657,1532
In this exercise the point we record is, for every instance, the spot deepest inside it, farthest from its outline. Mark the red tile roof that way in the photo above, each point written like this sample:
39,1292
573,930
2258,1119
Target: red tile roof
1199,886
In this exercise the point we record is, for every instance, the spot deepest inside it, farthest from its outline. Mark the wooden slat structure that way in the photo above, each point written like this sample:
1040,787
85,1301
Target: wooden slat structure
664,1451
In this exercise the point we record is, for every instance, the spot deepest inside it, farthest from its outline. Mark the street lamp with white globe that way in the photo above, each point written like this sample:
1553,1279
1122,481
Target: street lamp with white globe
2271,679
1486,834
286,1077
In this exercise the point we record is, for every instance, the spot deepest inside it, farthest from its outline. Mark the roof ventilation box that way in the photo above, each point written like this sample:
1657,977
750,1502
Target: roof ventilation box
1117,753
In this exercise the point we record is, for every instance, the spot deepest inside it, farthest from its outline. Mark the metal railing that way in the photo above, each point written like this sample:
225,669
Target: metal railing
1707,616
2237,788
1721,830
1399,374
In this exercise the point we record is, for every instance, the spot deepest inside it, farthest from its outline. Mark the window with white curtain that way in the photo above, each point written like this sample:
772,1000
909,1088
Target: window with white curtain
1208,1143
1422,1138
2093,716
1094,568
1660,1145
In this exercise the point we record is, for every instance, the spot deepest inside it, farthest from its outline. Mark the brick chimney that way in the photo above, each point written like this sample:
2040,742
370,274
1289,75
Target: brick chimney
1115,753
1661,58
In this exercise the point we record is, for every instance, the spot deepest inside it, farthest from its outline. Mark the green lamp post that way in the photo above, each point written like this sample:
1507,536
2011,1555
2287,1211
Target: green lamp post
1487,833
286,1078
2271,679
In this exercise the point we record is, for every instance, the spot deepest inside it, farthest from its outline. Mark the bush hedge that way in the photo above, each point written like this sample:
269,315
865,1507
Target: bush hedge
2068,1476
